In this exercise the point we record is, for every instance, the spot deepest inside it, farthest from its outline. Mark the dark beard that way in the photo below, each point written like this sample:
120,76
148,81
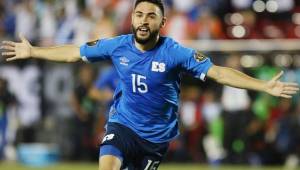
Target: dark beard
152,37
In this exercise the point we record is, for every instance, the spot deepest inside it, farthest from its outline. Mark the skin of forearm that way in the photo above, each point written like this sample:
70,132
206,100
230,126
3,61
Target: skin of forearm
235,78
65,53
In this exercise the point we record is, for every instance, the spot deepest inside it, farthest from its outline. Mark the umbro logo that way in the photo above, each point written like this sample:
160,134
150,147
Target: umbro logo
124,61
108,137
158,67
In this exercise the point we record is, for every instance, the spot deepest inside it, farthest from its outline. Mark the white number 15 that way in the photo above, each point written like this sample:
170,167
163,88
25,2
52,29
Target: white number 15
138,84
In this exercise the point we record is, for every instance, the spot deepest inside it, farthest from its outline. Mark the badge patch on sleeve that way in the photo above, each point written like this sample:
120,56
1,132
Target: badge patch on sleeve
199,56
92,43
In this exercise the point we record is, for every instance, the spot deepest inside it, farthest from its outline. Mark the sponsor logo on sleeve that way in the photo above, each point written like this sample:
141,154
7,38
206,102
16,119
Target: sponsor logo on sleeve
92,43
199,57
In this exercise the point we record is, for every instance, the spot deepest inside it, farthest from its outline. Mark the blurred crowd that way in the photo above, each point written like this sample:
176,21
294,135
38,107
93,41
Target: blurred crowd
68,104
49,22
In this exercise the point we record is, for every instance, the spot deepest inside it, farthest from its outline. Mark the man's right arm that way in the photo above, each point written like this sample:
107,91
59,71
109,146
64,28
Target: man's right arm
24,50
65,53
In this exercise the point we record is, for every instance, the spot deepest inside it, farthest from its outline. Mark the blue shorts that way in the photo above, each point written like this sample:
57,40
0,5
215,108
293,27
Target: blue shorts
134,151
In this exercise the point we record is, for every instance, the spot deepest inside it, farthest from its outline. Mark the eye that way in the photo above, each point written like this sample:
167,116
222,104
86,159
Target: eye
152,16
138,15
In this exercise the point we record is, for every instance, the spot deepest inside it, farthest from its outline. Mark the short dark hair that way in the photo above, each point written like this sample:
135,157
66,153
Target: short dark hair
158,3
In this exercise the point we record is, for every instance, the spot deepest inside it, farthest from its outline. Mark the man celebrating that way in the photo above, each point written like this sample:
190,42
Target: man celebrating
149,66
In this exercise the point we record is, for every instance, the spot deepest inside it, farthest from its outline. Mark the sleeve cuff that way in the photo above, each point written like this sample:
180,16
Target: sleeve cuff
83,54
84,58
202,76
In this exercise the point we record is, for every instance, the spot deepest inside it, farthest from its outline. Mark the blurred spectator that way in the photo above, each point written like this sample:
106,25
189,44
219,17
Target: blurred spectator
192,122
23,82
207,26
236,103
2,18
26,19
289,130
6,100
177,26
83,27
104,28
47,23
212,142
85,110
65,26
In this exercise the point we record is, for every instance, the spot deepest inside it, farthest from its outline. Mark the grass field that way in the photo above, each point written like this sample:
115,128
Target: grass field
92,166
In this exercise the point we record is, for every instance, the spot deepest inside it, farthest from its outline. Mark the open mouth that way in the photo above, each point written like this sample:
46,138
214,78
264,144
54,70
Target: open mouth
143,30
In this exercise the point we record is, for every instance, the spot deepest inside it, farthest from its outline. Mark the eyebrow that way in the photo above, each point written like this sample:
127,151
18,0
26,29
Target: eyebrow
150,13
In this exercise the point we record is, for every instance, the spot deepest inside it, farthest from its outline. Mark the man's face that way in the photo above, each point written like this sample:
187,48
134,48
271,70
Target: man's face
147,19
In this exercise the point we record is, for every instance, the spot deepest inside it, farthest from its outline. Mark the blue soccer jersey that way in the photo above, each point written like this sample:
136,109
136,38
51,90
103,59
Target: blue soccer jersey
148,94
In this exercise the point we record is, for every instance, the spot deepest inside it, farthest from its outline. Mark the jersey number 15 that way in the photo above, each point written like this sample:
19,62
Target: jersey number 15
138,83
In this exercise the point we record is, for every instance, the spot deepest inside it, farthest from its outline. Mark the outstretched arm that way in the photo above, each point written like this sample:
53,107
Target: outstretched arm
234,78
24,50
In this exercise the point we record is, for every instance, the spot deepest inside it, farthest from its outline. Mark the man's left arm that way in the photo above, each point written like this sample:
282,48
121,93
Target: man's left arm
235,78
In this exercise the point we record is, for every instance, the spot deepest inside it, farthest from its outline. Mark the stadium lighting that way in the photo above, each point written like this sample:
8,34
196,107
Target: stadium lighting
297,60
283,60
238,31
251,61
296,18
272,6
236,19
259,6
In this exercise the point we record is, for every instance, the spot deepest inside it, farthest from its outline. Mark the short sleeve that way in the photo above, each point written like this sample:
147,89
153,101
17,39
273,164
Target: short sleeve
198,65
97,50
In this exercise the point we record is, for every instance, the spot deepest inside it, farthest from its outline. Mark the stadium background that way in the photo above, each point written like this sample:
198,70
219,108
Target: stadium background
219,125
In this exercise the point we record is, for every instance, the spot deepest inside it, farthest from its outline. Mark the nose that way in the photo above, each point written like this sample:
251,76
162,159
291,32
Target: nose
144,20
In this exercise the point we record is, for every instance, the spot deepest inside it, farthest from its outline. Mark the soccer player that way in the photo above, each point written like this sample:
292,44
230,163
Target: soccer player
144,119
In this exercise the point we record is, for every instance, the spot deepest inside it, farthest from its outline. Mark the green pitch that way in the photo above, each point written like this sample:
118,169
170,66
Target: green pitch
94,166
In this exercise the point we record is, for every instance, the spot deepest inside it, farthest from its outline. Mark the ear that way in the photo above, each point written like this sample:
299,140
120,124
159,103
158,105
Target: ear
163,22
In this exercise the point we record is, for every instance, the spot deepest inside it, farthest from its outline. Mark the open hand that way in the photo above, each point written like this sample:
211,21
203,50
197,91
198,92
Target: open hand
281,89
16,50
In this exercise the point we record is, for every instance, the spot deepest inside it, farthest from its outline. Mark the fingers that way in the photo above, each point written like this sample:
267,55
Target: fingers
8,53
286,96
289,92
6,47
11,59
8,43
289,88
277,77
292,84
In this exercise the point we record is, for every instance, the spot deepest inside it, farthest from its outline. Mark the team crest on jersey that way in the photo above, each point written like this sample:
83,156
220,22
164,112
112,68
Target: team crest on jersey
92,43
124,61
158,67
199,56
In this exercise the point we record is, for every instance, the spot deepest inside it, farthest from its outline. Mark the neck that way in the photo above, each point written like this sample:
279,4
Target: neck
148,46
